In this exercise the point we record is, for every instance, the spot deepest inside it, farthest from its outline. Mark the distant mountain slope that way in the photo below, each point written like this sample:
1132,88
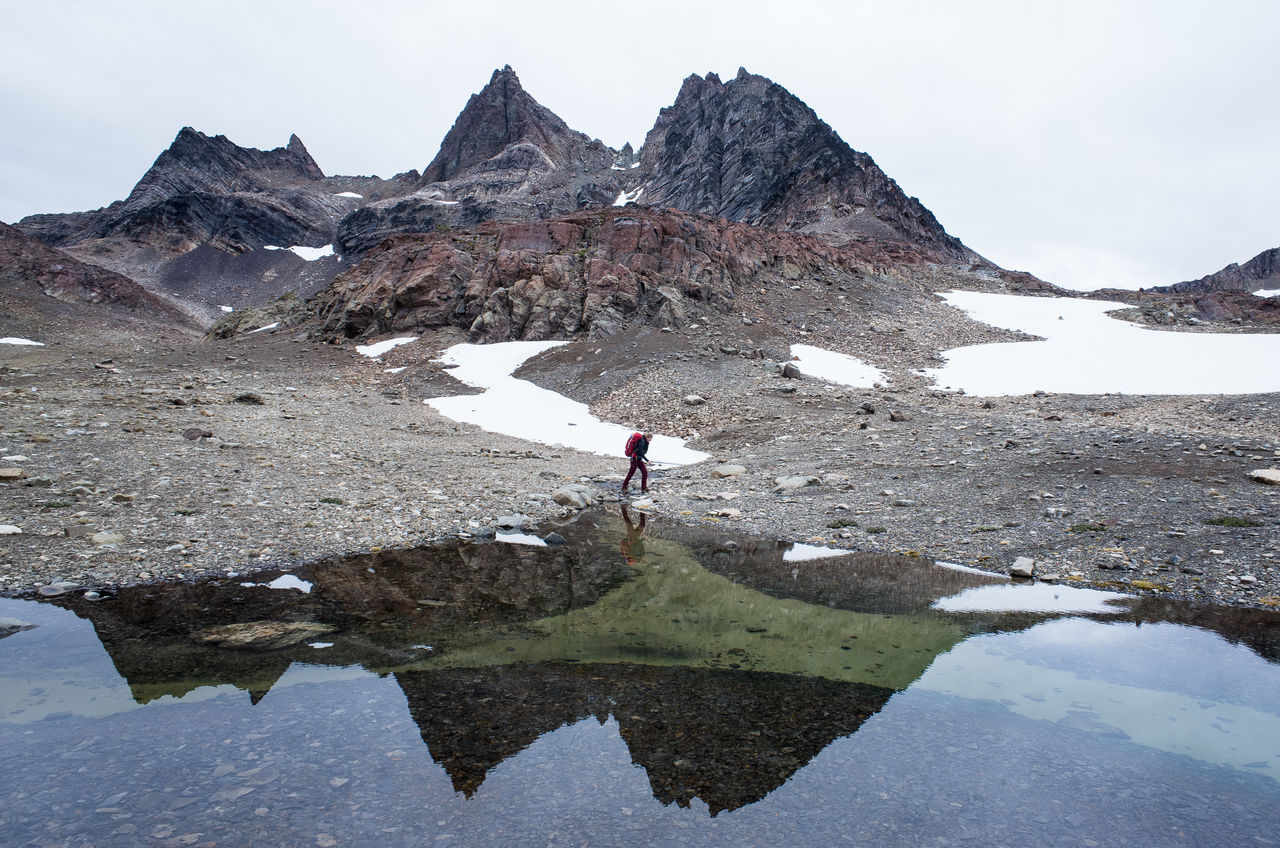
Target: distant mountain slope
1260,272
747,150
38,283
201,223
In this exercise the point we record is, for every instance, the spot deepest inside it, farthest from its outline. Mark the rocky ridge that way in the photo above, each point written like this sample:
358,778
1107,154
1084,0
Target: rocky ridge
592,273
1260,272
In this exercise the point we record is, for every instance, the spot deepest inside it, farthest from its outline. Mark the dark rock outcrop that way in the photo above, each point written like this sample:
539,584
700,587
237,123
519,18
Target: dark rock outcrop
585,273
1260,272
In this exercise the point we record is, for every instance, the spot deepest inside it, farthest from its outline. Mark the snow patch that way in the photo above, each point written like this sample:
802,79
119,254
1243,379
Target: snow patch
629,197
1267,293
519,408
378,348
1086,351
12,341
227,308
310,254
270,326
835,367
349,194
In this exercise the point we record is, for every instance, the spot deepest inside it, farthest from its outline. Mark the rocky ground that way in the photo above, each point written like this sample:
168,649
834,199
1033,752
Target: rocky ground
313,450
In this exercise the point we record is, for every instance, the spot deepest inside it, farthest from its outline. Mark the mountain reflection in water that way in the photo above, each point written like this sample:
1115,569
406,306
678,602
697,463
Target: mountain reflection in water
725,666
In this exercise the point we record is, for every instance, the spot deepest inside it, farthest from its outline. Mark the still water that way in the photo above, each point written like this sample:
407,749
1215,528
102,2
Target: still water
656,685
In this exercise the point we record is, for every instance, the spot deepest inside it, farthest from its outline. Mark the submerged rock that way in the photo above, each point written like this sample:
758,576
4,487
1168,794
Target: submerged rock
261,635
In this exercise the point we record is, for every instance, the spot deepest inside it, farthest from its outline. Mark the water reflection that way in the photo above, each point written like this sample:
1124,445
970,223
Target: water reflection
730,672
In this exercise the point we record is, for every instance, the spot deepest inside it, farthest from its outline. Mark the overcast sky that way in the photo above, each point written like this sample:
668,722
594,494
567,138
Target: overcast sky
1091,143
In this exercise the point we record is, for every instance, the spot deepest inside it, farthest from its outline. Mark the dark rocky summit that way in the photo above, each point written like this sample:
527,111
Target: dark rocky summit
751,151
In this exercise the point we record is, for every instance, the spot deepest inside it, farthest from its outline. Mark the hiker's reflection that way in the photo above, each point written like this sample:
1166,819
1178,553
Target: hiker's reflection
633,543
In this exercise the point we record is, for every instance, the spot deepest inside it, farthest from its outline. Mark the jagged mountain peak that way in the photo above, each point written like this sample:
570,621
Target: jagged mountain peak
199,163
500,116
752,151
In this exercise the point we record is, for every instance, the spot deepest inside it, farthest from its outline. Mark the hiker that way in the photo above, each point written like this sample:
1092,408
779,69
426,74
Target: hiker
637,447
632,544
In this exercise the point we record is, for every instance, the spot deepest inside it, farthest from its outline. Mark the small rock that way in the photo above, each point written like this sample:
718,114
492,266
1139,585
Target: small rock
795,482
555,539
193,433
1056,512
12,474
107,537
728,471
899,416
78,531
792,371
251,398
1023,568
866,409
121,497
39,482
514,522
694,400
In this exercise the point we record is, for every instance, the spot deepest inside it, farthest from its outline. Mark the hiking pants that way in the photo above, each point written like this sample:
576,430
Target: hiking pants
644,474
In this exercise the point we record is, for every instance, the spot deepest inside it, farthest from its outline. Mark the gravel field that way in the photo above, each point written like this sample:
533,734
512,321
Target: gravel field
315,451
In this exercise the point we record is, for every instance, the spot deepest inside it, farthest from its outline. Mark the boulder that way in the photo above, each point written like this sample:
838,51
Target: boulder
1267,476
1023,568
12,474
574,495
792,371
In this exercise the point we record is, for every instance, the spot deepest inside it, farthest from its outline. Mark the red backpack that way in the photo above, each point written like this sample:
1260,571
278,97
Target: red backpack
634,440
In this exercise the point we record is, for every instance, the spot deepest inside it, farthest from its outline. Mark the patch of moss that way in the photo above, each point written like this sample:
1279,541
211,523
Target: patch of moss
1232,521
841,523
337,501
874,530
